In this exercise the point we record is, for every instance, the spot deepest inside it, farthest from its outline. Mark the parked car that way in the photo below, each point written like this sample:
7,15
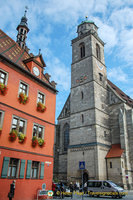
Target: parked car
107,188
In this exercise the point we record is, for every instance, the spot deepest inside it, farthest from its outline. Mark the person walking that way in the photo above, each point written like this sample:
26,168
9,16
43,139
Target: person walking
71,189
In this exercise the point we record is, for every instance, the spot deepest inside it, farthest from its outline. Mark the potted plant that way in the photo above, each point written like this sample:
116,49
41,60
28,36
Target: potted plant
21,137
0,130
41,142
23,98
3,89
34,141
13,135
41,107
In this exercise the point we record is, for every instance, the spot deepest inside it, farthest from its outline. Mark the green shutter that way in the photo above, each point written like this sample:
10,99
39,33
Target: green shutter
22,169
5,167
28,173
42,170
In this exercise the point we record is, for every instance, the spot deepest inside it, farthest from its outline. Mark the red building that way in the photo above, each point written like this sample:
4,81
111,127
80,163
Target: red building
27,118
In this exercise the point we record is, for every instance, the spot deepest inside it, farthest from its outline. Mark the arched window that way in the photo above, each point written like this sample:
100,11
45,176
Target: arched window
98,52
66,136
82,50
82,116
82,95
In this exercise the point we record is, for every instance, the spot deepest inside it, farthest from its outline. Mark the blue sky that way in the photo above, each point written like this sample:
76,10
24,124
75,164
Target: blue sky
53,24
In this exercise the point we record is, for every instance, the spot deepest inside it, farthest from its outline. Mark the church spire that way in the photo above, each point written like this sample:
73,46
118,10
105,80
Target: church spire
22,29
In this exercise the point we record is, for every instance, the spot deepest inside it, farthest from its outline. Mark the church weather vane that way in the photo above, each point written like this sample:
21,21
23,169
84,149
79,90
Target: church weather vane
86,17
26,8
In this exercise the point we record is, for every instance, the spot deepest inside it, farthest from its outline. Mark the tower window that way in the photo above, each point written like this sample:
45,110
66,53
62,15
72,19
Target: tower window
100,76
66,137
82,95
21,31
82,116
98,52
82,50
110,164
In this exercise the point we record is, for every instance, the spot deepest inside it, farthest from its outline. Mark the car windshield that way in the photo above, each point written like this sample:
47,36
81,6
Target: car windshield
113,184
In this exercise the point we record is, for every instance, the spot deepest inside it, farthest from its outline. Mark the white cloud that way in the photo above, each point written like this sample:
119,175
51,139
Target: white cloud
107,33
126,46
122,18
116,74
59,73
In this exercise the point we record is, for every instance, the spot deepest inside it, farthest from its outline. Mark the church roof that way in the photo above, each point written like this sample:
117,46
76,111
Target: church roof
125,97
115,151
13,52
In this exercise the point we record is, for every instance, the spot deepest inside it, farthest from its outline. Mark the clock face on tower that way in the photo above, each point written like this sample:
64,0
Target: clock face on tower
100,66
36,71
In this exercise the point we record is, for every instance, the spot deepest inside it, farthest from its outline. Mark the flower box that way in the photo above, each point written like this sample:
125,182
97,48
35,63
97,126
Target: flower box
41,107
41,142
3,89
34,141
13,135
21,137
23,98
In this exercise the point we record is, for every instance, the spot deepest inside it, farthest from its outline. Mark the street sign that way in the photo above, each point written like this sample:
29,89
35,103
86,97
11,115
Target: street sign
50,193
43,186
81,164
43,192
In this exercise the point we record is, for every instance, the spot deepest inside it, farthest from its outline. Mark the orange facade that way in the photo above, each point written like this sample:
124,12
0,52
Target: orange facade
30,165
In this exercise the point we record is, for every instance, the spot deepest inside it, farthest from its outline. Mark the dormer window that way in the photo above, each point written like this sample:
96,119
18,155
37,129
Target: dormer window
98,52
82,50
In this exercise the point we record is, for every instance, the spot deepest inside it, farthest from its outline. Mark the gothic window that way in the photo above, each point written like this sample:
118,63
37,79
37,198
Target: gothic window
110,164
82,95
82,116
66,136
98,52
82,50
100,77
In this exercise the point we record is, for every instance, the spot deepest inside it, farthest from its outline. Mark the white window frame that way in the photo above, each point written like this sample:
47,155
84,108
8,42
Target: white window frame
2,118
24,84
42,94
38,127
20,118
6,80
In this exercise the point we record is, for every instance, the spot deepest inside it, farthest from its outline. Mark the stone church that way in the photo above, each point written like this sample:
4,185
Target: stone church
96,122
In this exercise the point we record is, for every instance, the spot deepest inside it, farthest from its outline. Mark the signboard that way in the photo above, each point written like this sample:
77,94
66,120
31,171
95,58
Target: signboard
43,192
50,193
43,186
81,164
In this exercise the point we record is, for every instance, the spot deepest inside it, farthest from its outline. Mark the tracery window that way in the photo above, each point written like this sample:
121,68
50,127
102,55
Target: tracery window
82,50
98,55
66,136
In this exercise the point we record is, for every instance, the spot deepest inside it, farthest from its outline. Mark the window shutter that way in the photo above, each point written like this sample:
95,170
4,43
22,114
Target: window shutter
22,169
28,173
5,167
42,170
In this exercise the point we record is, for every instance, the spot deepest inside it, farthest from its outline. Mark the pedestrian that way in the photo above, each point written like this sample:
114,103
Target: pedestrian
71,189
75,187
62,190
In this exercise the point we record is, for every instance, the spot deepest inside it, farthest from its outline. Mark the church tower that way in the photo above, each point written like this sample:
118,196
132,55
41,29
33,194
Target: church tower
22,29
89,138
